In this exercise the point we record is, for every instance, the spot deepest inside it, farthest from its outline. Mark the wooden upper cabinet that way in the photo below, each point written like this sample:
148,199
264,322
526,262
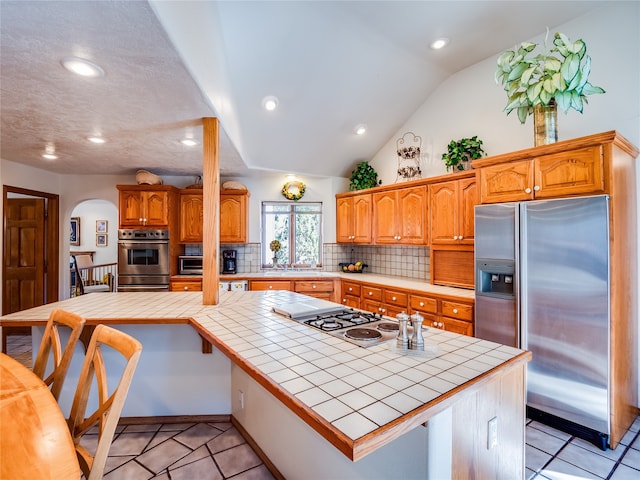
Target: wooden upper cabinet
191,217
451,208
400,216
573,172
144,206
233,216
353,219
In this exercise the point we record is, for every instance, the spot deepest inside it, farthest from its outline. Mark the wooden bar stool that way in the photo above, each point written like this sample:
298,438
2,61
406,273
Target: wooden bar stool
52,345
107,413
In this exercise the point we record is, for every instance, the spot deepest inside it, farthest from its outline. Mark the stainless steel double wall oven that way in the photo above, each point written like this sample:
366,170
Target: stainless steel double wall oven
143,260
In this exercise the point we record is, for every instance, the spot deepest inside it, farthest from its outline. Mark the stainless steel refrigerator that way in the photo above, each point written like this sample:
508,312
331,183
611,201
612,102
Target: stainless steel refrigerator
542,284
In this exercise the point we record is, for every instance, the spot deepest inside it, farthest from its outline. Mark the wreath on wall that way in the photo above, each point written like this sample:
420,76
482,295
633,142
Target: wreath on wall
293,190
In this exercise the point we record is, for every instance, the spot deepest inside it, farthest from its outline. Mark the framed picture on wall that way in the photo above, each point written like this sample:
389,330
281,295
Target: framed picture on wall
101,240
74,238
101,226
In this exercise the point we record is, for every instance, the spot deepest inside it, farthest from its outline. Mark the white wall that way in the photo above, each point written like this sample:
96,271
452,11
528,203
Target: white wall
89,212
471,103
268,187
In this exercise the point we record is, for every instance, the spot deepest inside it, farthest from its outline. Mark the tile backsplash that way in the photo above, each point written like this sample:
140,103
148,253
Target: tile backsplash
401,261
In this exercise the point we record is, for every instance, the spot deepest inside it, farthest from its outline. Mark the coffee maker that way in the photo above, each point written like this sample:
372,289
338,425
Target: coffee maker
229,264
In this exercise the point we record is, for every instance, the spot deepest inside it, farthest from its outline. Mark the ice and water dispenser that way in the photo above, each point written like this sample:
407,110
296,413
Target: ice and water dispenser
495,277
496,310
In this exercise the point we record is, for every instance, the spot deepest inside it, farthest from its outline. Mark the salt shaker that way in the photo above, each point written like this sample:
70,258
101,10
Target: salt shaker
403,338
417,341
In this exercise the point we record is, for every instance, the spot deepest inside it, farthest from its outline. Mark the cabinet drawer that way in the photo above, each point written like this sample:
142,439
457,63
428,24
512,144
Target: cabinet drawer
302,286
350,288
423,304
371,293
269,285
186,286
351,301
398,299
450,325
460,311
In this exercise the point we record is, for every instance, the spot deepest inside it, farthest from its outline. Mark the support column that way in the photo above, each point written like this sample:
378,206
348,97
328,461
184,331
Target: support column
211,208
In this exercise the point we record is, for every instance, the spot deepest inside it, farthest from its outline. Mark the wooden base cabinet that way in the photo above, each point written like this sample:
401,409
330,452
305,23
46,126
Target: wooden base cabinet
351,294
185,285
323,289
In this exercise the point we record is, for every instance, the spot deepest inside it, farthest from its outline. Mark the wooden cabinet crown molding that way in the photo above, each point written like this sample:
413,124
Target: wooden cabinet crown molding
409,184
611,136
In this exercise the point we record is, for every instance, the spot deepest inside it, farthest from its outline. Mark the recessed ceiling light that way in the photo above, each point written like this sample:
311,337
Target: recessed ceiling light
439,43
83,67
96,139
361,129
270,103
50,152
189,142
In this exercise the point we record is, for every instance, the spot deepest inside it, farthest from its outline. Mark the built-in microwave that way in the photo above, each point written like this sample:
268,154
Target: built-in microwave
190,264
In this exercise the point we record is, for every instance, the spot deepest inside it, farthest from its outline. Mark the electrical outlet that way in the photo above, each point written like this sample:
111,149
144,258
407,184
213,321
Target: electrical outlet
241,399
492,433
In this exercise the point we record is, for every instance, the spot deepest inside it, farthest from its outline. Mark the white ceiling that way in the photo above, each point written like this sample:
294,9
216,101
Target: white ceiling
332,65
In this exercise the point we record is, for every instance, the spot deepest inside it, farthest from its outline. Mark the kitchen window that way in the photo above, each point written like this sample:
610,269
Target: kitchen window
298,228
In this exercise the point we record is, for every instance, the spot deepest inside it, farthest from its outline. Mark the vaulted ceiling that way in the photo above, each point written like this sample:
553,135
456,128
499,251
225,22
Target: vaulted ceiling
331,64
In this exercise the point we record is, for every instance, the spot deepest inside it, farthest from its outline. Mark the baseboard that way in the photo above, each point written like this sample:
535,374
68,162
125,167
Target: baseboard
265,460
175,419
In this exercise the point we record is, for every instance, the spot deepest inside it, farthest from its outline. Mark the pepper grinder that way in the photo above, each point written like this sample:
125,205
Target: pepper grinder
417,341
403,338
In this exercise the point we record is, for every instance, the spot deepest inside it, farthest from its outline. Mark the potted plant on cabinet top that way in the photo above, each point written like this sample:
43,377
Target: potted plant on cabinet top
460,153
557,77
364,176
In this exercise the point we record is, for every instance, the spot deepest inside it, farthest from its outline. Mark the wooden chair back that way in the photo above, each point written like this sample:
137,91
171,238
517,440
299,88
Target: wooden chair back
89,277
51,345
109,405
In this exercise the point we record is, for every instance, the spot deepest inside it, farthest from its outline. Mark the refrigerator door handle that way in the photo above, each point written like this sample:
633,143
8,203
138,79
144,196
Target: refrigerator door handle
521,268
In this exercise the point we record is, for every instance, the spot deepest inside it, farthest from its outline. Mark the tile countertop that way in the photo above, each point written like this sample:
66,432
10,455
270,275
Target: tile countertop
383,280
351,395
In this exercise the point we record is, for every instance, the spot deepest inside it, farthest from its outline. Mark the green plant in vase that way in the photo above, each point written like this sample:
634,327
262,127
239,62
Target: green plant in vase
459,153
559,76
363,176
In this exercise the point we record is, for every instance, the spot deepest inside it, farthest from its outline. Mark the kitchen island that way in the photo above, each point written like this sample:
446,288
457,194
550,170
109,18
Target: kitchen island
360,410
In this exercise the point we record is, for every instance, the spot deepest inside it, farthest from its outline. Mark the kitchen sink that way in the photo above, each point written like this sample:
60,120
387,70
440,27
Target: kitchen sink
292,273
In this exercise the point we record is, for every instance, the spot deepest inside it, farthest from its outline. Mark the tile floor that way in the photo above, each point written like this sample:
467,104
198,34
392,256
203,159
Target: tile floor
218,451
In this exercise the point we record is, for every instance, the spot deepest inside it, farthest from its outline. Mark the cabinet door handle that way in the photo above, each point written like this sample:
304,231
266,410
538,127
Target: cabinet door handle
536,188
455,310
344,300
186,288
370,293
460,237
455,237
270,287
421,304
314,286
527,190
350,289
393,298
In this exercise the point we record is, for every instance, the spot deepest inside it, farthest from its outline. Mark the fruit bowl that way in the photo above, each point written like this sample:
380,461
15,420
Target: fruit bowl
355,267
